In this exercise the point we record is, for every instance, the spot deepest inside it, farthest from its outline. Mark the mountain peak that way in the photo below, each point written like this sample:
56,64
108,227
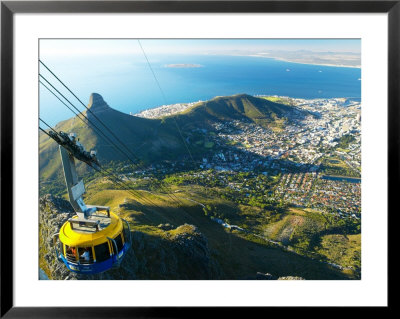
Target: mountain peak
229,97
96,102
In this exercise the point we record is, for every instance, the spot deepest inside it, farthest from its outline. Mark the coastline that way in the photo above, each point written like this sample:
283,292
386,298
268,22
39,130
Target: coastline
322,64
169,109
308,63
291,61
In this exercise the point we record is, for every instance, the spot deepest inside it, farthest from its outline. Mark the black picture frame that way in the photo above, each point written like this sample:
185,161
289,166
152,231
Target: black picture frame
9,8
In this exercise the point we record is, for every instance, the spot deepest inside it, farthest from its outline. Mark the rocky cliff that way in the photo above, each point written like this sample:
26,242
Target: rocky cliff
178,253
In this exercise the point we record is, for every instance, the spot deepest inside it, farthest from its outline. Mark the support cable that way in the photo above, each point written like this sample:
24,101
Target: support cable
109,140
94,115
165,100
99,131
115,178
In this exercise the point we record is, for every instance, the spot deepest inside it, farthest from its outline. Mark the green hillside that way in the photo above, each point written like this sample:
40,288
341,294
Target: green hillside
149,138
158,139
241,107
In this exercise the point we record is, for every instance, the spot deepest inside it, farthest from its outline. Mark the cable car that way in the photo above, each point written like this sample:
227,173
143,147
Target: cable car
94,247
95,239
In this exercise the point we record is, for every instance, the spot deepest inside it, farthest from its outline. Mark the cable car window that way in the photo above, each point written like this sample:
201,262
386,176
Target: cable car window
118,241
85,255
102,252
70,253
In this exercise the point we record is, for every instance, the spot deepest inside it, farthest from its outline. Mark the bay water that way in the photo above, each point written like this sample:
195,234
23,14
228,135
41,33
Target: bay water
127,82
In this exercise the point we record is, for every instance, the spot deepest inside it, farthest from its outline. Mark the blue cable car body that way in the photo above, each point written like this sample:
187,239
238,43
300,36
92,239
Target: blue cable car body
97,267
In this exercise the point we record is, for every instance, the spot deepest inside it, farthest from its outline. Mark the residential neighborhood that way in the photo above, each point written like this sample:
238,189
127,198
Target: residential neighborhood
307,156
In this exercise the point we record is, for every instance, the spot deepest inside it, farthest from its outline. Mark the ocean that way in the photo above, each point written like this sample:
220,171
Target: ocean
128,85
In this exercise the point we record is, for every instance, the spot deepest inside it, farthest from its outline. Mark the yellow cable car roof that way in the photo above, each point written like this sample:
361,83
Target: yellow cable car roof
90,237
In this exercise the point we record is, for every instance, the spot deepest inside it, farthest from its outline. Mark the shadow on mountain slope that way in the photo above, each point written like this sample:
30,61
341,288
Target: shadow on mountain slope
198,249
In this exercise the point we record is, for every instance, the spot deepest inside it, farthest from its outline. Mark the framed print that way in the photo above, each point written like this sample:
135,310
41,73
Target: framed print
156,148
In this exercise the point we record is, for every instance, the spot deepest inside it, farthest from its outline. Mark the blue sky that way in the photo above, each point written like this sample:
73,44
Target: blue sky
94,47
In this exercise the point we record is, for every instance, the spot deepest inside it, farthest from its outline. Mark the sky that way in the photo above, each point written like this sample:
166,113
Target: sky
94,47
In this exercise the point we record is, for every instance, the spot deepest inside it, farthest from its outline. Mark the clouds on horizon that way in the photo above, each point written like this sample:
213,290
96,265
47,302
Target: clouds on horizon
53,48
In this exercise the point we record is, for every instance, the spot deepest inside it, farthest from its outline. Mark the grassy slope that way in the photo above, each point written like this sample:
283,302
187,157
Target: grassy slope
281,100
240,256
297,225
303,229
344,250
236,107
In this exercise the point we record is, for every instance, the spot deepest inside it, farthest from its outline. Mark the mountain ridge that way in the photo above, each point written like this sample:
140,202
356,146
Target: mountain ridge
157,139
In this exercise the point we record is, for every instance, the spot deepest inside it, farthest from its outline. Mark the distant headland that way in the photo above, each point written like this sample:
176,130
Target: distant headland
183,65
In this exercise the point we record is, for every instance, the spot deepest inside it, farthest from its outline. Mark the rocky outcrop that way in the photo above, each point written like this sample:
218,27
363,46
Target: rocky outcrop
291,278
267,276
182,253
97,104
53,212
174,253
